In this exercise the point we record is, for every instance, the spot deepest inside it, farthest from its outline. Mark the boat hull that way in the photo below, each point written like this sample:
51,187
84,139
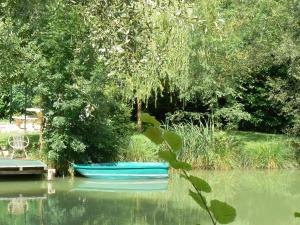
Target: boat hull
123,170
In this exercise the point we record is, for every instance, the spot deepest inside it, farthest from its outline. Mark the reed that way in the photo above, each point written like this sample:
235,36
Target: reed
272,154
206,148
140,148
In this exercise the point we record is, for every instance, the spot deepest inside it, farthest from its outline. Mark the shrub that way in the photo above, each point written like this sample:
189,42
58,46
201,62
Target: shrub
84,122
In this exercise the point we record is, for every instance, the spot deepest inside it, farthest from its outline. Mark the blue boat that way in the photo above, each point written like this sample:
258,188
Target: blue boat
123,170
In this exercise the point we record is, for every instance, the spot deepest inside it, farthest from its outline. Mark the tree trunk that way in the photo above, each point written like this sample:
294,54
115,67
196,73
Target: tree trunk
139,112
42,122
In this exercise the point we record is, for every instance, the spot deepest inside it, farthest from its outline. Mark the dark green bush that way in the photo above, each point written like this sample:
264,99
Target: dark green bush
83,122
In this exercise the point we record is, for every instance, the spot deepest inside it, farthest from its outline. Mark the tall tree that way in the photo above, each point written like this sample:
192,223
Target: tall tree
144,44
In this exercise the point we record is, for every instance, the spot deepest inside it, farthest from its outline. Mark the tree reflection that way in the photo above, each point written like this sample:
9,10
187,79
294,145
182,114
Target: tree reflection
78,202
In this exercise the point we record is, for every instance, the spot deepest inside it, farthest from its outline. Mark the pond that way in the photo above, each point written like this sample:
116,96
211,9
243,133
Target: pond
260,197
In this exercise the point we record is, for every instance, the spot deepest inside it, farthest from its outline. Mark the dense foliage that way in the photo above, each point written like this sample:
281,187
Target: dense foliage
71,85
88,63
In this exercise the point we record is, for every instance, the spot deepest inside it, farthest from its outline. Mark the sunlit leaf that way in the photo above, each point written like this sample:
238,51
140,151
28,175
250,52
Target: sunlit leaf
181,165
154,134
200,184
223,212
147,118
174,140
167,155
200,201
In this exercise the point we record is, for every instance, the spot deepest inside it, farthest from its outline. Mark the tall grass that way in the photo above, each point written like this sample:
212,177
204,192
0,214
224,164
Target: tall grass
204,147
296,145
268,156
207,148
140,149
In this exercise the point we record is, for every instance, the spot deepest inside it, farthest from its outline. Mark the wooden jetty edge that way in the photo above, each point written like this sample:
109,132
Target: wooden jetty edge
19,167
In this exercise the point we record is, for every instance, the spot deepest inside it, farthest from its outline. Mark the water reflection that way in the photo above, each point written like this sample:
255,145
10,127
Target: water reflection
261,198
17,206
129,185
19,200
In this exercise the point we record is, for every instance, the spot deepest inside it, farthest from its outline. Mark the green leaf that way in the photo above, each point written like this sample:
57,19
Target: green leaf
146,118
154,134
167,155
223,212
201,202
297,214
200,184
183,176
180,165
174,140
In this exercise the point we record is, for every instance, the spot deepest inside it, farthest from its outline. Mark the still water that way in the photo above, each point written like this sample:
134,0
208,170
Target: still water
260,197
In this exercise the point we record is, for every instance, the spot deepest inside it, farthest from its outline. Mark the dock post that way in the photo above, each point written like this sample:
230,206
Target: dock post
51,174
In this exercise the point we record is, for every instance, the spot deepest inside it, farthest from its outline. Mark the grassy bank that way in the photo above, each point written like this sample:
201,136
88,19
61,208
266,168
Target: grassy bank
261,150
211,150
223,150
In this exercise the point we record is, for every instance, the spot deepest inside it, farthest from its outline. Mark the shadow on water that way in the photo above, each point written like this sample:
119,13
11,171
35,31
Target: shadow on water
23,177
23,187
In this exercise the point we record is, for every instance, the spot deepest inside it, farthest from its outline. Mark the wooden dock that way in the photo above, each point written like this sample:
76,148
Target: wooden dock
20,167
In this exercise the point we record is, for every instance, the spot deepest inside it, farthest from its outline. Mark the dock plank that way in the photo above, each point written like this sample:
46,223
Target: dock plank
14,163
21,166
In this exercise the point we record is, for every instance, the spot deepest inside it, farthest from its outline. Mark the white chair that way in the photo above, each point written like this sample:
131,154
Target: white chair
18,142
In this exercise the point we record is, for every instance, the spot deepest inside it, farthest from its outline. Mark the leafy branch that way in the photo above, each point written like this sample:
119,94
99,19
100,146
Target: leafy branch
219,212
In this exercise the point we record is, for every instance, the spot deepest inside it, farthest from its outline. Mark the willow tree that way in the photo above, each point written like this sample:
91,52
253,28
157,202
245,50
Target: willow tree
144,44
185,47
262,48
236,43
